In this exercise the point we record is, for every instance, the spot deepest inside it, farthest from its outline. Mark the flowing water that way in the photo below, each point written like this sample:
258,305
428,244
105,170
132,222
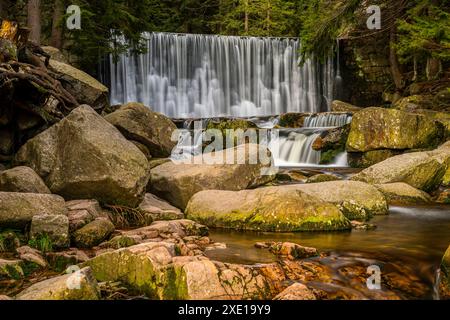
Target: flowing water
192,75
408,243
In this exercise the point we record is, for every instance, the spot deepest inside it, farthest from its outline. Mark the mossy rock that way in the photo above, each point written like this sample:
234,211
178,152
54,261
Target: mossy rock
358,201
403,194
378,128
275,209
292,120
421,170
369,158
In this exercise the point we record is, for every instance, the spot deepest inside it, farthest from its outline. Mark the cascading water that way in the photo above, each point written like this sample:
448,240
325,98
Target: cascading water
324,120
189,75
296,147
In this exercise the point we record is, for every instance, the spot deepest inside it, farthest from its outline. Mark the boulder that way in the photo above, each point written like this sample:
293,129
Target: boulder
55,54
420,170
18,209
61,260
159,209
322,178
174,229
81,212
138,122
357,200
378,128
292,120
79,285
32,256
280,209
93,233
22,179
55,227
11,269
292,251
155,270
297,291
178,182
403,194
369,158
340,106
82,86
6,141
85,157
444,284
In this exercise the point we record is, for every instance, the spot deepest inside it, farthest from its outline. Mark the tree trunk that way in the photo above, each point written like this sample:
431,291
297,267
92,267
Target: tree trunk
393,61
246,17
34,20
57,31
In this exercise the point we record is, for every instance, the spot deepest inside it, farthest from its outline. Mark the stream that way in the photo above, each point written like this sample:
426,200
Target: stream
408,245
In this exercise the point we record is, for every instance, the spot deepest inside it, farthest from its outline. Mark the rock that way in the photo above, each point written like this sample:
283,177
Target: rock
174,229
143,149
5,298
22,179
292,120
322,178
32,256
232,124
378,128
11,269
18,209
444,197
403,194
55,227
369,158
331,143
420,170
291,175
153,163
79,285
358,201
293,251
93,233
82,86
27,120
340,106
177,183
85,157
414,103
81,212
358,225
138,122
262,245
60,261
55,54
6,141
280,209
154,269
444,284
159,209
297,291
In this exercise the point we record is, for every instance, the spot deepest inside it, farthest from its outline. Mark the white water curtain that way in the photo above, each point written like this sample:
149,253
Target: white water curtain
189,75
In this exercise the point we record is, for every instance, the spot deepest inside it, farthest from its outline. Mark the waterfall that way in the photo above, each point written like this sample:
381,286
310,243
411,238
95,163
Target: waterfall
191,75
327,120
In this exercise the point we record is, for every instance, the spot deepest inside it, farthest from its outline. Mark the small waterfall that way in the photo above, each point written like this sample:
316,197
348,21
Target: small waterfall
192,75
295,149
326,120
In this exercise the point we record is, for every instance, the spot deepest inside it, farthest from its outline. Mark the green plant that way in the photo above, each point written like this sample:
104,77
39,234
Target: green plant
41,242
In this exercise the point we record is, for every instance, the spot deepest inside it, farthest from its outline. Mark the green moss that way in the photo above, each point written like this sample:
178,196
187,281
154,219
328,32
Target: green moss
41,242
329,156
